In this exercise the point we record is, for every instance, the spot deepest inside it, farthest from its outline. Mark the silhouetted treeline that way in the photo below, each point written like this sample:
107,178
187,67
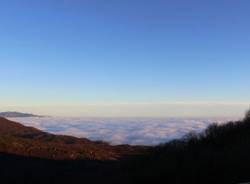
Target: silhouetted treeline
220,154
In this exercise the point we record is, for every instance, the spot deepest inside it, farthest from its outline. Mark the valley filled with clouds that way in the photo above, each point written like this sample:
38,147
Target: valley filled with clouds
133,131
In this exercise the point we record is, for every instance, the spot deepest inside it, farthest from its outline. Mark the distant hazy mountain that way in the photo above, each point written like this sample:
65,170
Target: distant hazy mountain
16,115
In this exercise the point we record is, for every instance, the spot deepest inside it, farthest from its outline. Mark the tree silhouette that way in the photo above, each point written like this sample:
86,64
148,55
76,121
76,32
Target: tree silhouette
247,116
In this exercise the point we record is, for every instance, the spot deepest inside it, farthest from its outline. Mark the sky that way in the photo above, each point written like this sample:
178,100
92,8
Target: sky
125,58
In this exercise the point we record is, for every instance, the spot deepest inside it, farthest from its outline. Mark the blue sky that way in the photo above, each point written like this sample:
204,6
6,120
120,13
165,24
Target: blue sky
73,53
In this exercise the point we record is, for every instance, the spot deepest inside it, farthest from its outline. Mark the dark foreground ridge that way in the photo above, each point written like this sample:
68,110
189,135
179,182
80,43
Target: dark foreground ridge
221,154
31,142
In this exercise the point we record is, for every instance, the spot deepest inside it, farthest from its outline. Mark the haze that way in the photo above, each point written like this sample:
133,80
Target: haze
127,58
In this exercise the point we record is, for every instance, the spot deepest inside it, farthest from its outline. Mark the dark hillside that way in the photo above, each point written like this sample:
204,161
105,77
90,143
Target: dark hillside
27,141
221,154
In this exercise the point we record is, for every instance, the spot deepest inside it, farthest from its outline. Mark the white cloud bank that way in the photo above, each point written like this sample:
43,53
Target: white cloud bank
134,131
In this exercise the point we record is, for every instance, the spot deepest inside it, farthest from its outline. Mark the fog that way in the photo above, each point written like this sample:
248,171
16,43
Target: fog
133,131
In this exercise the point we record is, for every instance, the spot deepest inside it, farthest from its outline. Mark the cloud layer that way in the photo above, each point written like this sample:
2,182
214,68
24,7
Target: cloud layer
134,131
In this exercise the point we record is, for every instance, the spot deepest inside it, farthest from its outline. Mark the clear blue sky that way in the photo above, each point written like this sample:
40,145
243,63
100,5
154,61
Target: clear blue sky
128,51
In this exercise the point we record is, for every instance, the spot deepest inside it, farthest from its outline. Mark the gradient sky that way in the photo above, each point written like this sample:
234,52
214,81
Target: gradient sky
126,54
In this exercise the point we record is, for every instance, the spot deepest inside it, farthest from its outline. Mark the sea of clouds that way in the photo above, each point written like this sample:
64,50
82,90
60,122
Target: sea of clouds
133,131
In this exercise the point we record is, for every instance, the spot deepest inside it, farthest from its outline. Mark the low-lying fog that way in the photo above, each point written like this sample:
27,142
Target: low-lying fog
133,131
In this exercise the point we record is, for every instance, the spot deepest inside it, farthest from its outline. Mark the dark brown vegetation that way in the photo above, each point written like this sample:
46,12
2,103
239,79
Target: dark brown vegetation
27,141
221,154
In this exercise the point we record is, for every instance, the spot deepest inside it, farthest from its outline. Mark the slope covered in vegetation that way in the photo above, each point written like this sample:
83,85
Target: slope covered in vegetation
220,154
27,141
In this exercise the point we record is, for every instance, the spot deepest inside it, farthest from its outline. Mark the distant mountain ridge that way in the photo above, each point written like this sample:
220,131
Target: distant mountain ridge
13,114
